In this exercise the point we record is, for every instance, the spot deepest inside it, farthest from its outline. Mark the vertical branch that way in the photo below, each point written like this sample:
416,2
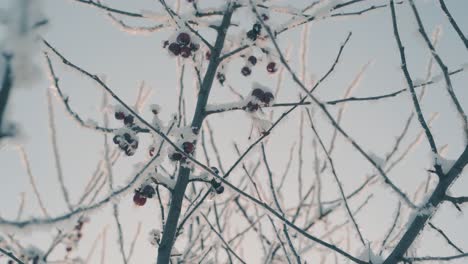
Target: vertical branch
7,84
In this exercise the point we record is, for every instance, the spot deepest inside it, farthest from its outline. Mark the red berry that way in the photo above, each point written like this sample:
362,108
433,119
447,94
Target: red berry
246,71
139,199
265,17
183,39
258,93
188,147
151,151
185,52
271,67
208,55
68,249
119,115
174,48
252,60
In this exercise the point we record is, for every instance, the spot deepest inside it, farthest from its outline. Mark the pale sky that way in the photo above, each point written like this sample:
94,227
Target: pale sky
89,39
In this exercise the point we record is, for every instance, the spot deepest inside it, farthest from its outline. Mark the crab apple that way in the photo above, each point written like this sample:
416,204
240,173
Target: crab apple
119,115
220,190
267,97
252,60
246,71
258,93
185,52
176,156
148,191
139,199
188,147
271,67
128,120
183,39
174,48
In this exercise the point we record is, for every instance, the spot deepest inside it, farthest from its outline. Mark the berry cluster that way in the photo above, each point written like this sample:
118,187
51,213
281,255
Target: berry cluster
260,97
254,32
183,46
127,141
71,239
187,146
142,194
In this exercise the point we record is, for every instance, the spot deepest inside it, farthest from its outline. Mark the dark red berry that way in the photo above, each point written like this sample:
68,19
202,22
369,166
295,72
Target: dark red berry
183,39
258,93
188,147
267,97
128,120
151,151
119,115
185,52
174,48
208,55
246,71
252,60
271,67
139,199
165,44
68,249
148,191
176,156
265,17
220,190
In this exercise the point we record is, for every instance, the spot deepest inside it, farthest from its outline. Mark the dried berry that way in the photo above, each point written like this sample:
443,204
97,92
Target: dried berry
252,35
258,93
257,28
214,183
185,52
221,78
128,138
194,46
265,17
271,67
119,115
220,190
128,120
252,60
174,48
208,55
267,97
183,39
165,44
176,156
252,107
148,191
117,139
139,199
215,170
188,147
246,71
151,151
